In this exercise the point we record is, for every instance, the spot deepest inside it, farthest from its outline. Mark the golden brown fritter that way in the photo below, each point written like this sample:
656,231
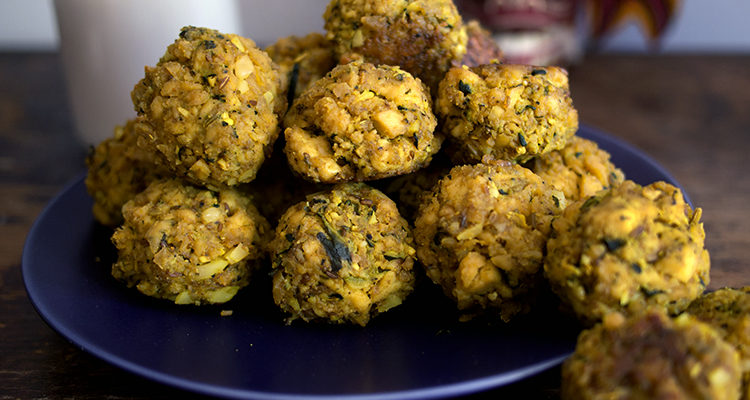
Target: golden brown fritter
648,357
361,122
342,256
728,311
628,248
580,169
117,171
424,37
302,61
210,107
481,234
189,245
510,112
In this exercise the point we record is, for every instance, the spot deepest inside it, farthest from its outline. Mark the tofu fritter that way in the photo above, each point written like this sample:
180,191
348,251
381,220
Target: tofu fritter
117,171
361,122
580,169
210,107
189,245
481,234
728,311
628,248
342,256
424,37
650,356
509,112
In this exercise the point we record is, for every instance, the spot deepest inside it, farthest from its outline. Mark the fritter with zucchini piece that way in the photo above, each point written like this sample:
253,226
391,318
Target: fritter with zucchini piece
728,311
508,112
361,122
189,245
651,356
580,169
118,170
424,37
628,248
342,256
210,107
302,60
481,233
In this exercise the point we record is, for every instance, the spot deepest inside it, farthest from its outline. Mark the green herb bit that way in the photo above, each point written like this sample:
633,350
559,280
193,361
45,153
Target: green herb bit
521,139
337,251
464,88
614,244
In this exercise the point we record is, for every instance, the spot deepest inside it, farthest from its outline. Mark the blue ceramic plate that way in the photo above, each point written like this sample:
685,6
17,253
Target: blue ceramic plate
414,351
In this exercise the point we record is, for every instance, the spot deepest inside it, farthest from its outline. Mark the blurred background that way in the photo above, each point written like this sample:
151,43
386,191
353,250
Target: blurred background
698,26
106,43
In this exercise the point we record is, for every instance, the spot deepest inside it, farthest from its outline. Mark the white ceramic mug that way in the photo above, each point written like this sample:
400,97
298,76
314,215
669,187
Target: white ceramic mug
105,45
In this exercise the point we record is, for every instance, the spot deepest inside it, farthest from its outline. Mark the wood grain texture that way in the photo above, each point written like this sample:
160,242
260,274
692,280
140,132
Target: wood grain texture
690,113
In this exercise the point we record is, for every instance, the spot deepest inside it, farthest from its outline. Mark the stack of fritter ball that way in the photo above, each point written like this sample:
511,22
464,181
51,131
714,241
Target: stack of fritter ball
407,147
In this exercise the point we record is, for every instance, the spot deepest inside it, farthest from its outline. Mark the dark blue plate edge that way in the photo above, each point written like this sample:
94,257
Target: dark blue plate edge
456,389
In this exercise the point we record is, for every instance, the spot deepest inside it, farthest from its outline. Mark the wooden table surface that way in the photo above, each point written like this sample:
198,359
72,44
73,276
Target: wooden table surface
690,113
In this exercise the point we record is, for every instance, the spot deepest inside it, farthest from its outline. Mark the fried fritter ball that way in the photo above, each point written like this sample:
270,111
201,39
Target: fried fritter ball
424,37
510,112
728,311
628,248
117,171
650,356
189,245
580,169
481,48
342,256
302,61
210,107
361,122
481,234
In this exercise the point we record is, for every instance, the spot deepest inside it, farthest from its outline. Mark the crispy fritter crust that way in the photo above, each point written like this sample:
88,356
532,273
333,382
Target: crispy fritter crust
580,169
210,107
509,112
117,171
481,234
189,245
728,311
628,248
424,37
342,256
361,122
650,356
